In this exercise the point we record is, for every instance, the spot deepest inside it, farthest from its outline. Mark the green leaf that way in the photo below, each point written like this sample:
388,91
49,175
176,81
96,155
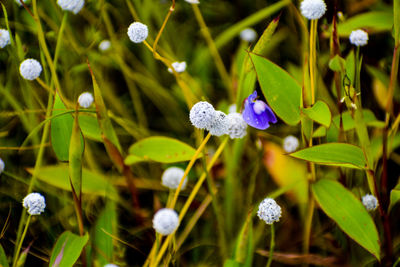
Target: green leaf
394,195
61,130
92,183
375,21
348,212
76,149
3,256
335,154
396,22
105,228
319,112
67,249
265,38
90,127
244,245
281,91
337,63
160,149
376,146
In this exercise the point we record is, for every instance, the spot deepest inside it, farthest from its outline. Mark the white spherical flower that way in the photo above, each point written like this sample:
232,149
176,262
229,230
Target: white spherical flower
2,165
34,203
19,2
358,38
165,221
193,1
202,115
71,5
178,67
85,100
104,45
220,124
236,125
30,69
4,38
313,9
290,143
370,202
269,211
110,265
138,32
248,35
232,108
172,177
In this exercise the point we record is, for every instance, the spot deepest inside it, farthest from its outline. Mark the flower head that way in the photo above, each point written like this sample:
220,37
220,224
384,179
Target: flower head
257,113
30,69
2,165
110,265
370,202
35,203
178,67
85,100
71,5
104,45
196,2
358,38
313,9
269,211
232,108
4,38
165,221
220,124
248,35
202,115
290,143
19,2
138,32
236,125
172,177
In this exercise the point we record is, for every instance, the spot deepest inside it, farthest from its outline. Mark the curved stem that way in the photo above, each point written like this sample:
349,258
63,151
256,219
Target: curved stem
171,9
21,240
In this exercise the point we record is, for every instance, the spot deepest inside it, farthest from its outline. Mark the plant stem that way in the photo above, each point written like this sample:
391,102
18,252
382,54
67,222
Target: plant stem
21,240
271,246
313,32
171,9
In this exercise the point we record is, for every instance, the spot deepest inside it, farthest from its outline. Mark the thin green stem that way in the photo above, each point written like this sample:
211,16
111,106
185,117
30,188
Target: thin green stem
313,33
171,9
271,246
21,240
59,41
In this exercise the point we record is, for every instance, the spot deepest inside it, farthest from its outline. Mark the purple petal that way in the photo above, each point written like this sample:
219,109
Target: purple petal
270,115
252,97
254,120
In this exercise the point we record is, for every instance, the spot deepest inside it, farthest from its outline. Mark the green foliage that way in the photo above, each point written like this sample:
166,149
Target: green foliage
3,257
67,249
348,212
374,21
76,149
319,112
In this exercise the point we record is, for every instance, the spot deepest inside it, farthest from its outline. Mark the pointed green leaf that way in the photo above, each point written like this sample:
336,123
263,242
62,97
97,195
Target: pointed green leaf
281,91
394,195
3,256
76,149
105,228
348,212
337,63
67,249
160,149
265,38
90,127
375,21
61,130
335,154
319,112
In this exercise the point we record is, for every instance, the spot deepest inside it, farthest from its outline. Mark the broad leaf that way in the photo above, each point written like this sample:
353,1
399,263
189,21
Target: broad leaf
90,127
348,212
76,149
3,258
160,149
319,112
372,21
336,154
67,249
281,91
105,228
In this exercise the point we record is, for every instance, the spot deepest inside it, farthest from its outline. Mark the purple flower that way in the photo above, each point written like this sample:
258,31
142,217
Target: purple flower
257,113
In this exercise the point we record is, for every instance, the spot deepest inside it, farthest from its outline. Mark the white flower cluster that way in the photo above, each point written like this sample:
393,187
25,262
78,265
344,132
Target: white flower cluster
196,2
178,67
19,2
2,165
34,203
269,211
290,143
204,116
370,202
30,69
138,32
358,38
4,38
71,5
104,45
313,9
248,35
110,265
165,221
172,177
85,100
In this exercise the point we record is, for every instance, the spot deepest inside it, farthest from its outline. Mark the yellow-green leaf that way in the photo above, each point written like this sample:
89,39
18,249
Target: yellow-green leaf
76,149
319,112
375,21
67,249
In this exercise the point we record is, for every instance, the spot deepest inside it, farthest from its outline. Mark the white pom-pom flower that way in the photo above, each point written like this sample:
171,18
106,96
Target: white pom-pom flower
313,9
358,38
34,203
30,69
172,177
202,115
248,35
138,32
290,143
85,100
236,125
4,38
370,202
2,165
19,2
178,67
104,45
269,211
71,5
220,124
165,221
232,108
110,265
196,2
